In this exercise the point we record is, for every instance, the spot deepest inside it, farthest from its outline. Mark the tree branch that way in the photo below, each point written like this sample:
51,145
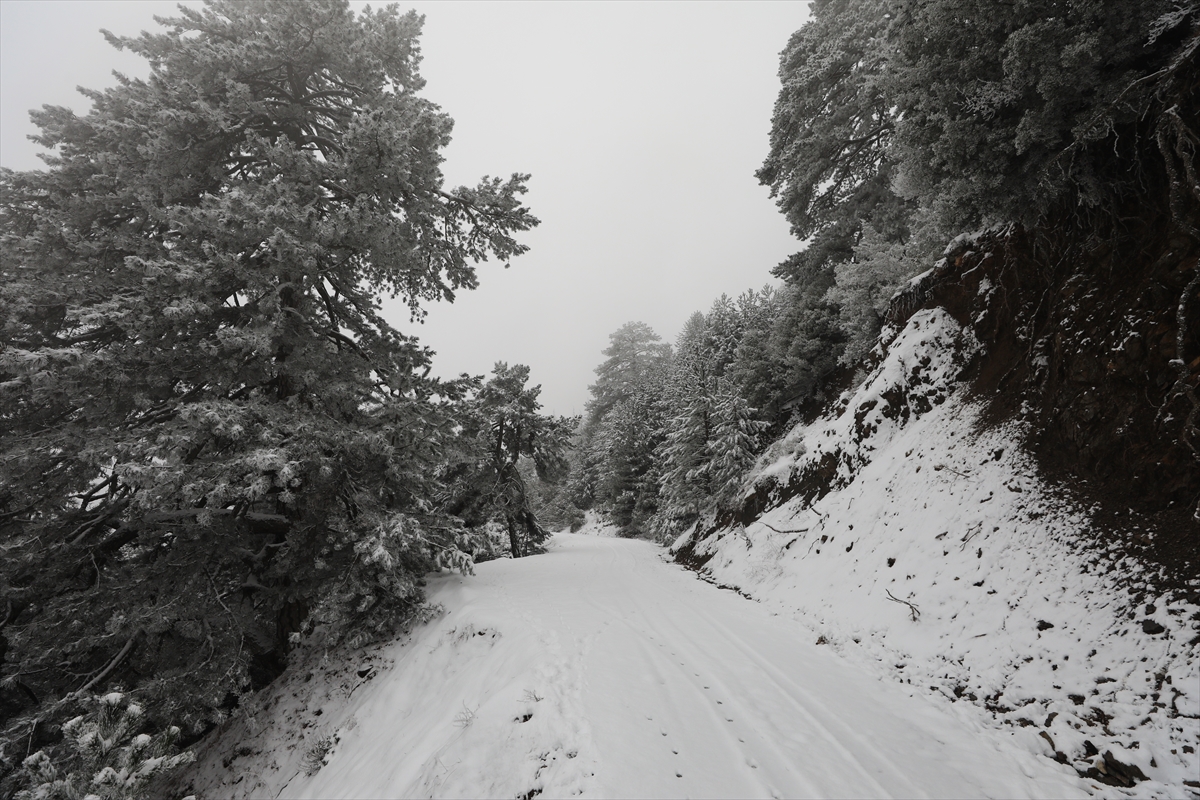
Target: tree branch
111,665
912,609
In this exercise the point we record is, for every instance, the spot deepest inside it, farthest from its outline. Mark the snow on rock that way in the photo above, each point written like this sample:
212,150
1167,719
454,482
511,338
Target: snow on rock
921,541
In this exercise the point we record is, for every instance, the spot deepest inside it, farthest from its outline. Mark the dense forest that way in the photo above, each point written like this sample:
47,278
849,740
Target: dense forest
215,450
905,137
214,445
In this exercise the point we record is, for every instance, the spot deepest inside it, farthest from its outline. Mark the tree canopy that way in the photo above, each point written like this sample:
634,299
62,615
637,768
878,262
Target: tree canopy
212,440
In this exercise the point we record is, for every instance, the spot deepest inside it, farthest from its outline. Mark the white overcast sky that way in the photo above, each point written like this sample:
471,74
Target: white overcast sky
641,123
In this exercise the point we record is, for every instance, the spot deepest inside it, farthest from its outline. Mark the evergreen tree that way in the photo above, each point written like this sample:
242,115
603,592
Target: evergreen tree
683,455
623,429
501,426
734,443
724,326
686,485
549,500
829,167
1009,111
631,431
211,440
114,761
635,355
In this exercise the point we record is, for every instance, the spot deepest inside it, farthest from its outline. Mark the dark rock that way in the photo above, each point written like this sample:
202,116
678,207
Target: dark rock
1120,773
1151,627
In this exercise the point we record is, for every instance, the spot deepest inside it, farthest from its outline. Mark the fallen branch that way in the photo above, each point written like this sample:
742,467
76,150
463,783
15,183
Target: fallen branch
971,534
912,609
772,527
111,665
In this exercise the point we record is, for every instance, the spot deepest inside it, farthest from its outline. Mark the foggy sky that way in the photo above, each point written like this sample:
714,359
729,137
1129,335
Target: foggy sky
641,123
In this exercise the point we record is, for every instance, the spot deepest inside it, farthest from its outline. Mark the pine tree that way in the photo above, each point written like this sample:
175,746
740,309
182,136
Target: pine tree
211,439
686,487
113,761
623,429
734,443
1009,112
829,166
686,482
500,426
636,354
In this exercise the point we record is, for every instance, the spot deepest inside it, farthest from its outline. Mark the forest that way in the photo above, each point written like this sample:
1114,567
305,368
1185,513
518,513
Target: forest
215,451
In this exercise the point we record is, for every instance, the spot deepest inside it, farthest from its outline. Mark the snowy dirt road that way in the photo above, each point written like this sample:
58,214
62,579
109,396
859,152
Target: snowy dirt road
600,670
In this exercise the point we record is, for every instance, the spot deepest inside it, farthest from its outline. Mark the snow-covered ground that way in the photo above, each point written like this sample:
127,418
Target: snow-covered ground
596,524
600,670
933,623
941,559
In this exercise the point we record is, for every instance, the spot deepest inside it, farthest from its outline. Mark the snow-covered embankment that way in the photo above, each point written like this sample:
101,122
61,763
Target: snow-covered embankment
921,541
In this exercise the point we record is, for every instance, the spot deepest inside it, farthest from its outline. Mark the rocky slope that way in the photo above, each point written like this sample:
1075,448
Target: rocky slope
1000,514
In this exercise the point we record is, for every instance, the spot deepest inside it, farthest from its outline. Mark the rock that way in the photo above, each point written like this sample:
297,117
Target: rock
1121,774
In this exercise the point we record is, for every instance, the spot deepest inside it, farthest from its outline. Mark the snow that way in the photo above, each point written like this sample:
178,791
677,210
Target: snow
596,524
931,625
1012,616
600,670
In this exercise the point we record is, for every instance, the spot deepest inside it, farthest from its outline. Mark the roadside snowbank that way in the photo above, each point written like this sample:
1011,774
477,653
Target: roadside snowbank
940,557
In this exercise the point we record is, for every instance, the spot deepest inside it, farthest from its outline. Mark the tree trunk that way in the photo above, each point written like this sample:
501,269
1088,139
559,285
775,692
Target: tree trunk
514,539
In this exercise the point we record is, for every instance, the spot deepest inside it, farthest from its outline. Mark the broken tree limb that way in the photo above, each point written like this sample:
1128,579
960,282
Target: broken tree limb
111,665
912,609
777,530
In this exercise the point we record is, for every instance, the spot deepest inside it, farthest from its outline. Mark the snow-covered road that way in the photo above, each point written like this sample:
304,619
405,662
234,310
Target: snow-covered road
600,670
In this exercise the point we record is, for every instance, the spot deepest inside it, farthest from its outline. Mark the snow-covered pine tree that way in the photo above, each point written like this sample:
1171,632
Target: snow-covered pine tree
724,325
635,357
734,443
211,437
500,426
623,428
630,433
687,427
686,484
112,759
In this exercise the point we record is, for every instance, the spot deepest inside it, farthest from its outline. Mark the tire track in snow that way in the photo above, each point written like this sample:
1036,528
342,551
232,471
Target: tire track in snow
613,674
718,689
